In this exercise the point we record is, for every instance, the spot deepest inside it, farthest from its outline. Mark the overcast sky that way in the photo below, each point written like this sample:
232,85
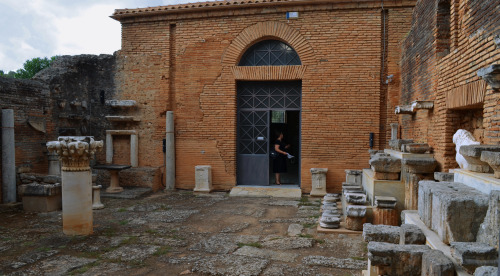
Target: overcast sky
45,28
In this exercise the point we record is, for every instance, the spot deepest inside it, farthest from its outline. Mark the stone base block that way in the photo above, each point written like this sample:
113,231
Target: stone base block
42,203
411,234
148,177
355,223
203,179
435,263
380,233
395,259
472,255
385,176
382,216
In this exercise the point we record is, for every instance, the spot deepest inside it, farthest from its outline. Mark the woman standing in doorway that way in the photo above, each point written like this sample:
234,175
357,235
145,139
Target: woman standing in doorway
279,163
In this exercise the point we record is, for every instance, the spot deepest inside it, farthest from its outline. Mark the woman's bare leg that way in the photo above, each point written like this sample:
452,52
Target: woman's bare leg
278,180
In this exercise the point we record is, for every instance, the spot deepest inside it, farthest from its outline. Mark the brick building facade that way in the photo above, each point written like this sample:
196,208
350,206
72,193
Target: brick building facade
185,59
449,42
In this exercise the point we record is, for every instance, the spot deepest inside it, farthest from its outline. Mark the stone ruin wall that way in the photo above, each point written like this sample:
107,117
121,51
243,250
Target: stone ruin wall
54,98
177,64
437,61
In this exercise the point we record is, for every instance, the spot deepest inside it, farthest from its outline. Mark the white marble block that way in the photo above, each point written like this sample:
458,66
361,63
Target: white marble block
203,179
318,187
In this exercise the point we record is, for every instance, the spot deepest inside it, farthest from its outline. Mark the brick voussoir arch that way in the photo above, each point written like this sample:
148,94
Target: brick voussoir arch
263,30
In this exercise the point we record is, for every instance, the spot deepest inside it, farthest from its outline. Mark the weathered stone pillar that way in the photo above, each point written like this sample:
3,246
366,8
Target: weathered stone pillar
170,152
203,179
394,131
96,202
318,185
8,157
75,154
54,164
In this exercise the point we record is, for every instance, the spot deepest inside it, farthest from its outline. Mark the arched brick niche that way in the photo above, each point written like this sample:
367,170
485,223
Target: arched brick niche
268,30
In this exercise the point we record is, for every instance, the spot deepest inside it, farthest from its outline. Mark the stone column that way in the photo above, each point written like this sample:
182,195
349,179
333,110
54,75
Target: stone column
394,131
8,157
75,154
170,152
54,164
318,185
134,150
109,148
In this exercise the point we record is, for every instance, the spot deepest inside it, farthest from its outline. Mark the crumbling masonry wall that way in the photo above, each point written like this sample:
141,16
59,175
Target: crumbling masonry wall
67,99
449,42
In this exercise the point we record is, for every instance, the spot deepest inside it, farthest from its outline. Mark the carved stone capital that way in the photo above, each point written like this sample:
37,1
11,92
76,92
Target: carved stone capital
75,152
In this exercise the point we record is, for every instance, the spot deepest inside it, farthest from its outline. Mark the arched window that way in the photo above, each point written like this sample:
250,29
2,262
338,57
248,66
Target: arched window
270,53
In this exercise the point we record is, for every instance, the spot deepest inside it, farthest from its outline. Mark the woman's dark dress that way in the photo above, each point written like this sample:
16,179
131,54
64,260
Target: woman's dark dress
279,163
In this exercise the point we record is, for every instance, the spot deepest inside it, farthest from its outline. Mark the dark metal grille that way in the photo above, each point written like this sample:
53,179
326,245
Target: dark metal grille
255,101
270,53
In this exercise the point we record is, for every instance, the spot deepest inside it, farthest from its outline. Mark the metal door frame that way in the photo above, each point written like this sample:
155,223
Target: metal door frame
268,110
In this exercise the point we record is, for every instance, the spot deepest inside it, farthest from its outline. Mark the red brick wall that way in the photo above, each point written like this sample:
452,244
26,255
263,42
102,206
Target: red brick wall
342,96
429,72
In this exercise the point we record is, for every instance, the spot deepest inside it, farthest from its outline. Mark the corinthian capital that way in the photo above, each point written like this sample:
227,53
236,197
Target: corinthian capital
75,152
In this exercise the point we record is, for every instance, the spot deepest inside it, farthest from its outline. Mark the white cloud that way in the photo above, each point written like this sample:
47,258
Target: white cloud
44,28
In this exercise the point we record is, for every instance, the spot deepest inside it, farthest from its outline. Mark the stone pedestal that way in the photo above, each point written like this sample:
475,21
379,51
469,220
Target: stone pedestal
114,186
203,179
8,157
75,154
318,178
353,176
41,197
96,198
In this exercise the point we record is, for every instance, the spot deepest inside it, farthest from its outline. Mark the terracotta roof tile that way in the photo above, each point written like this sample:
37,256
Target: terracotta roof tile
208,4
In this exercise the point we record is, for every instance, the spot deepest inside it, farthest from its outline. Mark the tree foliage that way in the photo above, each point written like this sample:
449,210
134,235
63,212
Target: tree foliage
30,68
33,66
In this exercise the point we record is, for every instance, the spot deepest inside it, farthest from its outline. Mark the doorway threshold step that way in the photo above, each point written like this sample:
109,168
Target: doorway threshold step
287,191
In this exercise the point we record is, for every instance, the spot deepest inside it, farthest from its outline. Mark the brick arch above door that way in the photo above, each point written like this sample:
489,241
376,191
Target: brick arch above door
264,30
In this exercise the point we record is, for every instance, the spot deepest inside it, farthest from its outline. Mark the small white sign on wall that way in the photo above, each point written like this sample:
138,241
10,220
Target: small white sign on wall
292,15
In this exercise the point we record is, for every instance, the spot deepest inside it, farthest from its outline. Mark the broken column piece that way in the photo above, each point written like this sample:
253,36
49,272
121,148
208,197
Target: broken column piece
8,157
493,160
329,222
355,198
472,255
417,148
385,167
356,217
472,154
397,143
318,177
403,109
96,197
75,154
386,202
384,211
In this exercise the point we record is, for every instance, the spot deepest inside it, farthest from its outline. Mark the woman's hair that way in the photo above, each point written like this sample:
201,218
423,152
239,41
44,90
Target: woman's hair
277,133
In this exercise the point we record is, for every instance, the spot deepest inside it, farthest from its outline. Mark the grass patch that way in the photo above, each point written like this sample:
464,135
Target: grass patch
123,222
28,243
309,225
121,210
90,255
110,232
43,249
83,269
252,244
306,236
304,199
162,251
320,241
358,258
152,231
129,240
316,216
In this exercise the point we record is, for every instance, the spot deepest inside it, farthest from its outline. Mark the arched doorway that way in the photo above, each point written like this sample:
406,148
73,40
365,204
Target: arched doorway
265,107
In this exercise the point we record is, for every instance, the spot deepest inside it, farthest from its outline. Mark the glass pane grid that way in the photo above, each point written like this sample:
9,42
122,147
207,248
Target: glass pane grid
270,53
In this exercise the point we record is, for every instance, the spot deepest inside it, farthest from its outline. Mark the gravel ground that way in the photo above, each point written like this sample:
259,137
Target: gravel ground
179,233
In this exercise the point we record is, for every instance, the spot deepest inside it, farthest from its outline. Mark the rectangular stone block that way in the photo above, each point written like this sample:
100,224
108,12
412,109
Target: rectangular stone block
203,179
411,234
472,255
435,263
396,259
380,233
318,181
41,204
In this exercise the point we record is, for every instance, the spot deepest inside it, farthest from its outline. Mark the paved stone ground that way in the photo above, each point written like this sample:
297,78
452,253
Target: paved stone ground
179,233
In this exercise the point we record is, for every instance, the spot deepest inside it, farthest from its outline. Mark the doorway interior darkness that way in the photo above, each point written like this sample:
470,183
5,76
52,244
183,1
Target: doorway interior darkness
263,108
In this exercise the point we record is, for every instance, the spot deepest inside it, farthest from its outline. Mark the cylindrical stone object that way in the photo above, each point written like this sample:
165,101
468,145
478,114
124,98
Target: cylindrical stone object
8,157
385,216
170,152
77,202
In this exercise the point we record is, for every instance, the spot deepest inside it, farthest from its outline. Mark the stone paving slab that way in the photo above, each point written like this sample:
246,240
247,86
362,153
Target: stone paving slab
230,265
135,252
60,265
335,262
280,243
266,254
128,193
223,243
